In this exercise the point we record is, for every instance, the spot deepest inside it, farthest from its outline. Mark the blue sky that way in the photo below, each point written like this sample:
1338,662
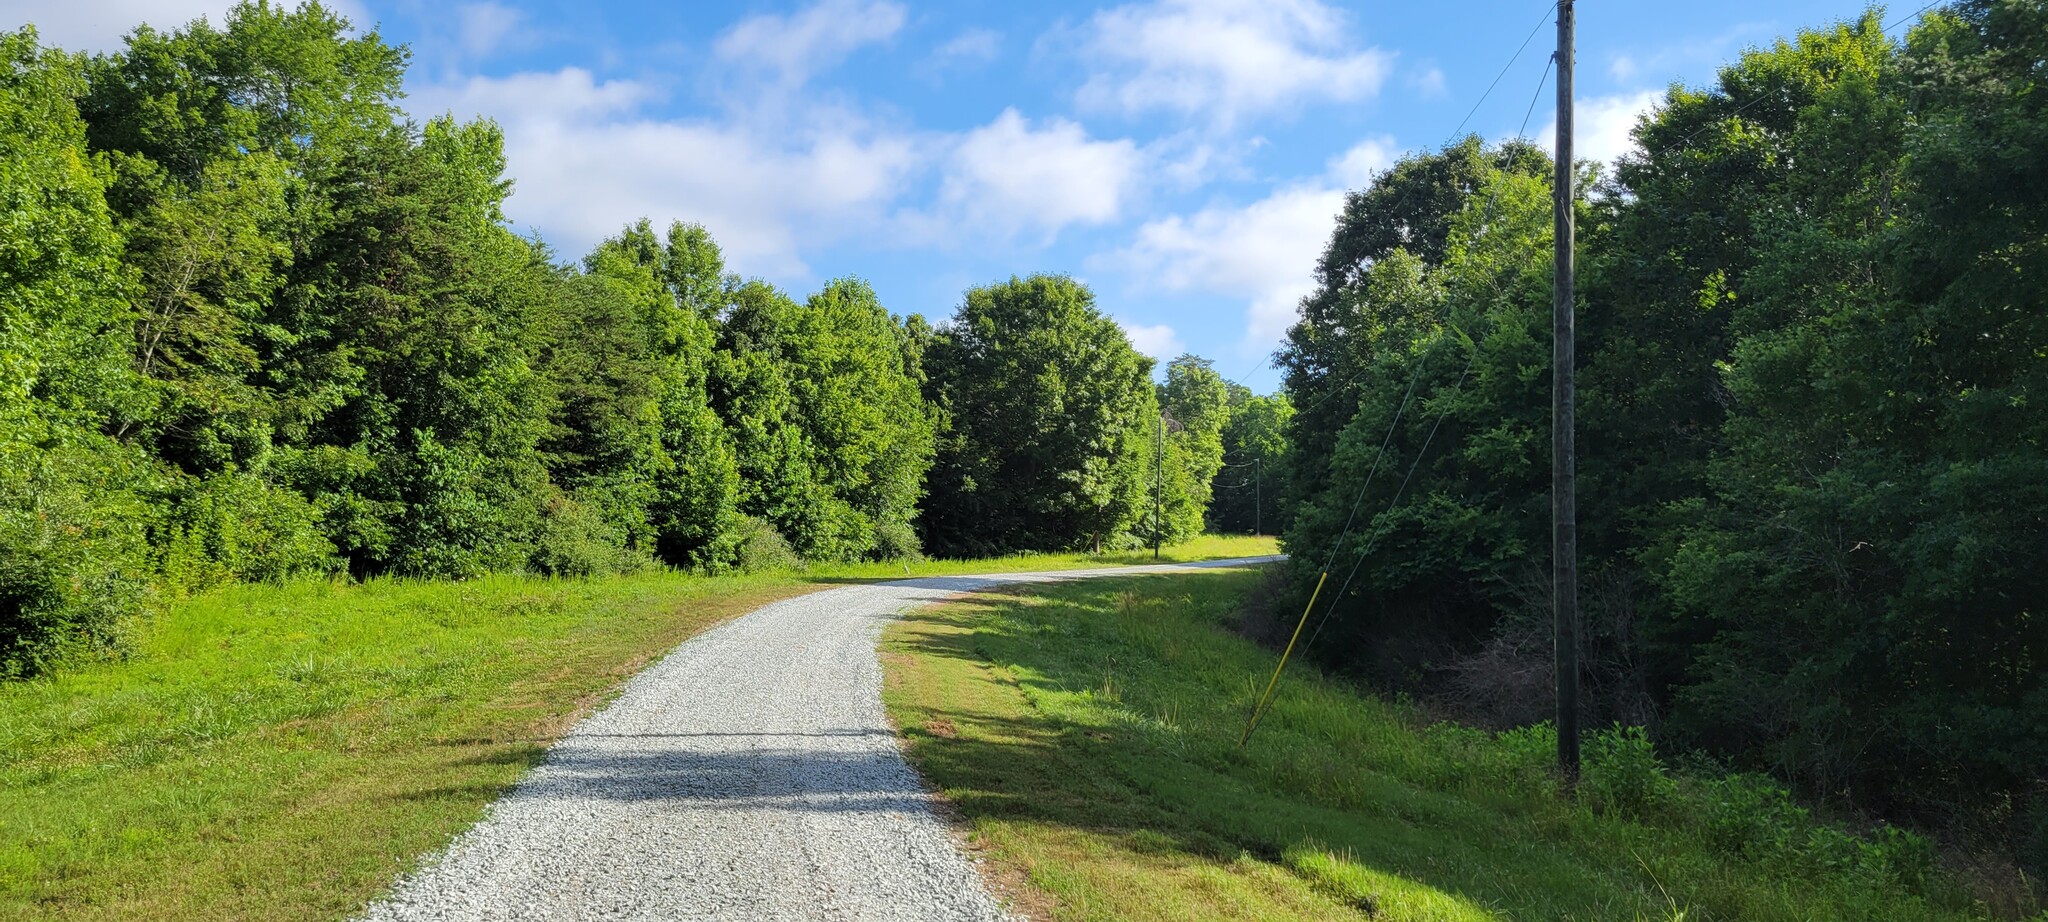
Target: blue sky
1184,157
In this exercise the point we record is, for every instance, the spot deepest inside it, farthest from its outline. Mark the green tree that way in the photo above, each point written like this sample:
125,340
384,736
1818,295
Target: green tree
677,475
822,399
1246,492
290,82
1408,209
1864,568
1196,405
411,314
857,394
1051,414
71,555
1431,504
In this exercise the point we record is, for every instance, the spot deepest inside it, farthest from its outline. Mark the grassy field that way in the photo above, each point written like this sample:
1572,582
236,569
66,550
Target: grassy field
1087,735
283,752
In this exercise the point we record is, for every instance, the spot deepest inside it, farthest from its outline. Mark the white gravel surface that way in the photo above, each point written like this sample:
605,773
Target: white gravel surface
751,774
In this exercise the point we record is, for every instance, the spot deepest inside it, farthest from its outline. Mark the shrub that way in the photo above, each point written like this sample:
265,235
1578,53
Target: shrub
579,539
761,548
234,525
1528,756
462,509
71,557
1751,814
1622,772
896,540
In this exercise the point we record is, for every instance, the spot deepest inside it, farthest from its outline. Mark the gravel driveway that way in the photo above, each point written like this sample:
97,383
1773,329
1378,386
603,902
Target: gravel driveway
750,774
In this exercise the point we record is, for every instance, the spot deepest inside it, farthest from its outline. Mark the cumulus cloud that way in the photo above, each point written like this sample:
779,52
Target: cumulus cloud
1225,59
1009,176
1429,83
99,25
974,46
483,28
588,159
1156,340
1604,125
1263,252
810,41
1355,168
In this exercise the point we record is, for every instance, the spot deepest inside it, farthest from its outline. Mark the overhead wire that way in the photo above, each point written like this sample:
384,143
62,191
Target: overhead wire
1239,380
1259,707
1423,451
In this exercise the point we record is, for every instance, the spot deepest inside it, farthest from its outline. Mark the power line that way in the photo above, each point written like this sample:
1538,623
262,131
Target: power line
1888,26
1503,72
1524,46
1423,451
1493,194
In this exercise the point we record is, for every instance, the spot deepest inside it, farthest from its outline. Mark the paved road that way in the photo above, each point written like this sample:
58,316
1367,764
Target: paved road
751,774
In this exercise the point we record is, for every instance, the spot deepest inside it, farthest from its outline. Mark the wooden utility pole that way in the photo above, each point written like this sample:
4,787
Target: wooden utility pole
1258,497
1564,539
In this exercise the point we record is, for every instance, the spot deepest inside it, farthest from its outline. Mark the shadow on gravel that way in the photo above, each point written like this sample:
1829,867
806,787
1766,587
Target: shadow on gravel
678,736
971,582
871,779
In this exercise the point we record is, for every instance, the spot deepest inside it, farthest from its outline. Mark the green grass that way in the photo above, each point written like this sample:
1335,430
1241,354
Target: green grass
283,752
1086,733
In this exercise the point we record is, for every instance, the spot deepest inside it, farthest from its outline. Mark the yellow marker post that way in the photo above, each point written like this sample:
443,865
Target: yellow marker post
1261,706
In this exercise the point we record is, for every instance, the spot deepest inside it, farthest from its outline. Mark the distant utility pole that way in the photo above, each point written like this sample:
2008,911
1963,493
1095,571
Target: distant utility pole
1564,538
1258,497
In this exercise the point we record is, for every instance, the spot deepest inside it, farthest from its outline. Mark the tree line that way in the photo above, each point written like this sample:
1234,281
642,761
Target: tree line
1814,458
255,322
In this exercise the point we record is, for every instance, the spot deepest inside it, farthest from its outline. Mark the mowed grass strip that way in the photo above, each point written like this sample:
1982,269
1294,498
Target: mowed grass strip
285,752
1086,734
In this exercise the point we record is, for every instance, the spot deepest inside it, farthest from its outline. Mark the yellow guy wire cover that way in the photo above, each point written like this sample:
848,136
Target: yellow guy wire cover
1261,707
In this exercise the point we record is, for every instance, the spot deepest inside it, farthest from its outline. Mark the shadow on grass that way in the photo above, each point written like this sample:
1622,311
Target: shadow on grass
1156,791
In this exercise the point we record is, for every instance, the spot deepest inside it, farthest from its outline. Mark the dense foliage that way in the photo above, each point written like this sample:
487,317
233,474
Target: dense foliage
1814,475
1245,495
1050,418
256,322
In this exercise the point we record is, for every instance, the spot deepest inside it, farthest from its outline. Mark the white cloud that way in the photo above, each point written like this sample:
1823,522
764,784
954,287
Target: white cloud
974,46
543,99
1157,340
1264,252
811,41
488,27
1623,68
1430,83
99,25
1225,59
1008,176
1603,125
587,161
1355,168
